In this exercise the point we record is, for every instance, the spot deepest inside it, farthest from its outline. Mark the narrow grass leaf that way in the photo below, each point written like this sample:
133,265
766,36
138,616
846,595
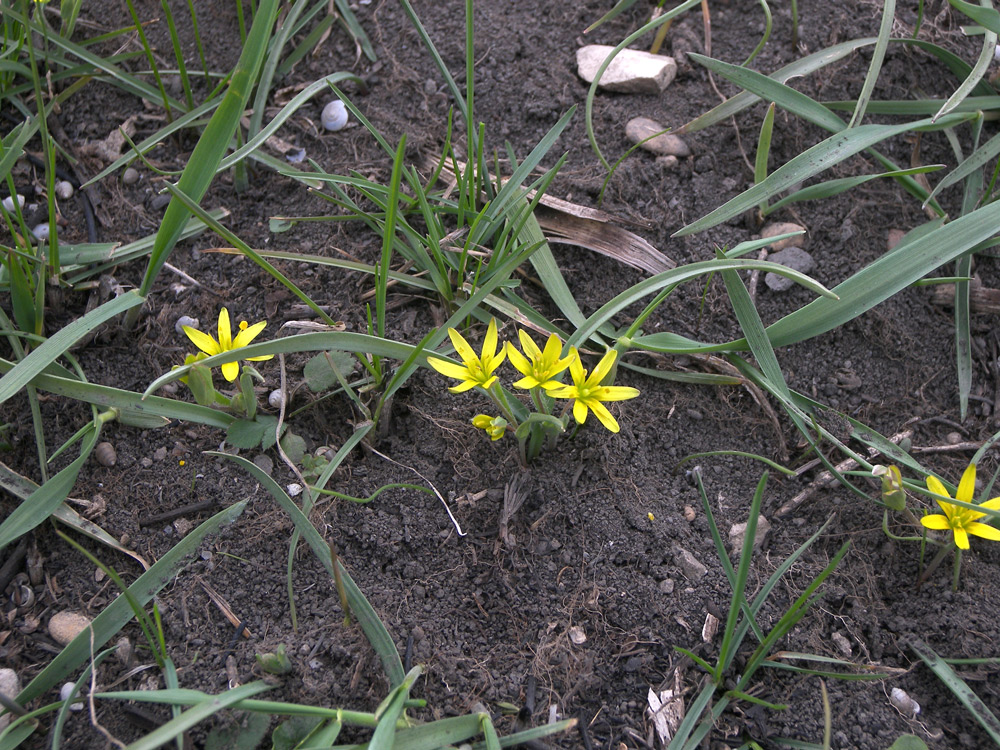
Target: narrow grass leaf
979,69
835,187
114,617
878,56
372,626
29,367
979,710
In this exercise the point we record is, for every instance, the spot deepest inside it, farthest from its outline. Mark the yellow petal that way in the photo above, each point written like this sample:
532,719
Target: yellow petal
448,369
616,393
467,385
530,347
935,486
936,522
993,504
967,487
225,332
961,538
528,381
202,340
482,421
602,413
491,361
576,370
984,530
563,391
579,411
520,362
465,352
262,358
248,334
553,347
604,366
490,343
230,371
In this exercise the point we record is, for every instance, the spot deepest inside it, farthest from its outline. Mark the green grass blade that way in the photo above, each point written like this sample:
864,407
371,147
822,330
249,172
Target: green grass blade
835,187
982,63
372,626
977,160
214,141
987,719
878,56
764,150
197,714
114,617
29,367
812,161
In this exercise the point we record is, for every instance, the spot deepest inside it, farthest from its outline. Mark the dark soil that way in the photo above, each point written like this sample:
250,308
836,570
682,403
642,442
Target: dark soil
598,546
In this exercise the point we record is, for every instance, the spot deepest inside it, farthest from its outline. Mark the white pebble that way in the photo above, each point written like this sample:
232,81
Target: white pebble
65,693
64,190
41,232
8,202
294,490
274,399
186,320
334,115
903,703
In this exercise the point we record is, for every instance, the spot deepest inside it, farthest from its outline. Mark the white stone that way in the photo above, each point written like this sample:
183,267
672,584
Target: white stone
65,626
8,202
294,489
186,320
631,72
64,190
689,564
66,692
10,686
639,129
41,231
334,115
738,531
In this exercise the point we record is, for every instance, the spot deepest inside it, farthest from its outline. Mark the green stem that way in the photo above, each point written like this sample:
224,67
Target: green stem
957,570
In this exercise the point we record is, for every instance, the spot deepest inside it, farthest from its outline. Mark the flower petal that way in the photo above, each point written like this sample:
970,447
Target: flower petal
604,366
576,370
967,487
248,334
616,393
230,371
464,386
936,522
262,358
993,504
202,340
520,362
602,413
579,411
491,361
961,538
561,390
553,348
465,352
448,369
490,342
527,382
225,332
530,347
935,486
984,530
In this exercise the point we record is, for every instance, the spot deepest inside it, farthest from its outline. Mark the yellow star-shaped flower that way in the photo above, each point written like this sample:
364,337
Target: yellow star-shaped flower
495,427
588,393
961,521
226,342
539,367
474,371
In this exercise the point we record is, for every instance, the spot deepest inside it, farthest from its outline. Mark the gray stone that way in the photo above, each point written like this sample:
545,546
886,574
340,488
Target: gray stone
793,257
639,129
10,686
738,531
692,569
131,176
631,72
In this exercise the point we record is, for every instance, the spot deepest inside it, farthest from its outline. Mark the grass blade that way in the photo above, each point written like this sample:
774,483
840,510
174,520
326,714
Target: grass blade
878,56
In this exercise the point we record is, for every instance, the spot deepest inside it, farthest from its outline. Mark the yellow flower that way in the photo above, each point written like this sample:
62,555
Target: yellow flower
961,521
539,367
495,427
474,370
588,391
226,342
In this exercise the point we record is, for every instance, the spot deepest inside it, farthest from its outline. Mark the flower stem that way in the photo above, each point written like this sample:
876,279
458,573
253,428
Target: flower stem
957,570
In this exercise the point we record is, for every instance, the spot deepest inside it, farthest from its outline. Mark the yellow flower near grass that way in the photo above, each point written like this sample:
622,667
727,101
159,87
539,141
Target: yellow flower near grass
589,394
961,521
495,427
474,371
540,366
226,342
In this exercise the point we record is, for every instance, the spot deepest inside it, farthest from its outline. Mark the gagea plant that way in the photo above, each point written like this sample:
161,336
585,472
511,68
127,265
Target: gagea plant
542,371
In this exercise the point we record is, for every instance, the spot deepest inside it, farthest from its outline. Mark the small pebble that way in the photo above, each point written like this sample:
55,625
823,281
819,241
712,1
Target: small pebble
334,115
667,162
689,514
131,176
639,129
953,438
10,686
41,231
8,202
64,190
186,320
160,202
160,453
783,227
793,257
66,692
294,490
65,626
738,531
667,586
631,72
264,463
274,399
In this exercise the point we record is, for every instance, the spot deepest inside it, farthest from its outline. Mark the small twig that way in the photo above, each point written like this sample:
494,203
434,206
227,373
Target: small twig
184,510
224,607
454,520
